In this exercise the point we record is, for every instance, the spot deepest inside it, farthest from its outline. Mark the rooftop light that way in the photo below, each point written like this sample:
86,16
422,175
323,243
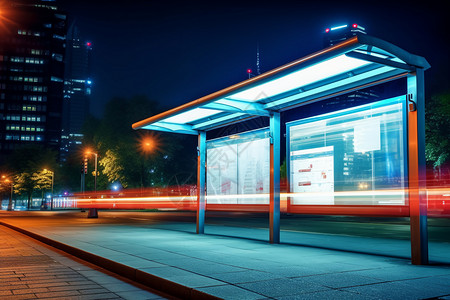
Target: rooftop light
338,27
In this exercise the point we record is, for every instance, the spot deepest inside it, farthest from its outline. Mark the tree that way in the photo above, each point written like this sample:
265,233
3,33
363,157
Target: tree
28,164
112,168
42,181
123,153
24,184
437,131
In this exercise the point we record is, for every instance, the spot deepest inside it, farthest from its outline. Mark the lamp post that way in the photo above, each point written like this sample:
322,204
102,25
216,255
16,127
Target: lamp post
6,180
53,180
95,175
93,212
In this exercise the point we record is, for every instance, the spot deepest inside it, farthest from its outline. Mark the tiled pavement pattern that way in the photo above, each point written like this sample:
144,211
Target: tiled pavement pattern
31,270
245,268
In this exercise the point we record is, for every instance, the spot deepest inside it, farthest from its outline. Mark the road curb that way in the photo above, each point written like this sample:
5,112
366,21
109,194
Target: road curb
147,279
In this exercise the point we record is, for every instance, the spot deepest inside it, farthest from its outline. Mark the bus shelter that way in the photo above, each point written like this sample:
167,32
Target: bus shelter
354,64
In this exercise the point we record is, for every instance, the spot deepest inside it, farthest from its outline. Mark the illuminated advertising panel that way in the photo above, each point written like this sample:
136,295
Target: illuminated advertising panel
222,170
354,156
313,175
238,169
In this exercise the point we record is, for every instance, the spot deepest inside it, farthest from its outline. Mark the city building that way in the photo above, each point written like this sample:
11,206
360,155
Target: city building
32,46
77,91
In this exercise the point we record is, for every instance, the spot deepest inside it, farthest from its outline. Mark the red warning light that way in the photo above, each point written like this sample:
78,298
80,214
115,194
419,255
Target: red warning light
327,30
355,25
88,44
249,71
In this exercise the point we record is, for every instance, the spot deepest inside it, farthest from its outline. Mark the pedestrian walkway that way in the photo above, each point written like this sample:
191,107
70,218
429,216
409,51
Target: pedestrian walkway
32,270
170,257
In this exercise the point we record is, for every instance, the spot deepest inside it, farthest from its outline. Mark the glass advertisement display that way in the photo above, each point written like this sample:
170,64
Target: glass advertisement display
238,169
315,174
354,156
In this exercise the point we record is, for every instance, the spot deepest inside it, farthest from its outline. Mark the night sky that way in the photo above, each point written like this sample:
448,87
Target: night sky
177,51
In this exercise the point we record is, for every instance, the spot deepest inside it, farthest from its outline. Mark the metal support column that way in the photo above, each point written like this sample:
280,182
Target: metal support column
416,168
274,214
201,180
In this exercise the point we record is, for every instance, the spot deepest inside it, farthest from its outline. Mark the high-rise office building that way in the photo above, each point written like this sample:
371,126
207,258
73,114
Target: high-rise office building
77,91
32,46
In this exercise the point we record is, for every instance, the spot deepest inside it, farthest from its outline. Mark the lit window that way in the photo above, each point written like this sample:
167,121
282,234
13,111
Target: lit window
56,79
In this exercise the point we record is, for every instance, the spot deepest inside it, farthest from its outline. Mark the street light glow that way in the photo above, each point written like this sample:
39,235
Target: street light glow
149,143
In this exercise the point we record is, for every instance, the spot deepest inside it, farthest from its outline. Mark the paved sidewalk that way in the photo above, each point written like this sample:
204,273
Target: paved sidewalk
172,258
32,270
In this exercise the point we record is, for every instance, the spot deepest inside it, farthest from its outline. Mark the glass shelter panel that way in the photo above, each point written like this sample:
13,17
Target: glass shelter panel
238,169
354,156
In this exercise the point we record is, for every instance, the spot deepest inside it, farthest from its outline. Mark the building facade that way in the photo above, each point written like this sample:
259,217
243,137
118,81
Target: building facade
77,91
32,46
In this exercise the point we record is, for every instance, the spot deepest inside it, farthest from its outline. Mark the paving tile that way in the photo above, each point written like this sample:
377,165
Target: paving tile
120,287
282,287
207,268
73,287
245,276
135,262
90,273
401,272
60,294
442,279
328,294
394,290
166,272
338,280
231,292
195,281
29,291
99,290
6,293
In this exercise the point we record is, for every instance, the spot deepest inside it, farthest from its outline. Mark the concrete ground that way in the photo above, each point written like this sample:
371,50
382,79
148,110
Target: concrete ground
170,257
32,270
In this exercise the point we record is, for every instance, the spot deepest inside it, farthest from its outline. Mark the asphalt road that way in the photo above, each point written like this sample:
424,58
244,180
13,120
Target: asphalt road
393,228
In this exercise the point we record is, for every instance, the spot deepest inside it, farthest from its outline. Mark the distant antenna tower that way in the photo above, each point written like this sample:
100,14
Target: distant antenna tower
258,71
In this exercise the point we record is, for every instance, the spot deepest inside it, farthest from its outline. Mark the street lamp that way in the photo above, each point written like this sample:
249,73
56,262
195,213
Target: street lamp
53,180
93,212
6,180
89,152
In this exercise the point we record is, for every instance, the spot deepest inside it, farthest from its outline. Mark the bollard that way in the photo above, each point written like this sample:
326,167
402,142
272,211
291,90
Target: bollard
93,213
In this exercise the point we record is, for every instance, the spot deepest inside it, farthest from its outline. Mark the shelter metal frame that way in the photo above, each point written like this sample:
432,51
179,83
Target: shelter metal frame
359,62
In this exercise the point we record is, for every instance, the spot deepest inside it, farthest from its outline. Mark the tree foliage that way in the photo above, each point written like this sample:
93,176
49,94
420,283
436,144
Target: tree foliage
112,168
42,180
122,155
437,127
28,164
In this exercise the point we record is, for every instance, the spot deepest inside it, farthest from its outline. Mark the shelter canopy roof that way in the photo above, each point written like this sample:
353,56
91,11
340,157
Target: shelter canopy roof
355,63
